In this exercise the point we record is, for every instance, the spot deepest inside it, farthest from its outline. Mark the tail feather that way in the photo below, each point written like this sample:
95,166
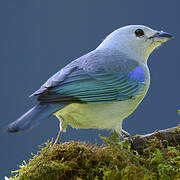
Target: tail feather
33,116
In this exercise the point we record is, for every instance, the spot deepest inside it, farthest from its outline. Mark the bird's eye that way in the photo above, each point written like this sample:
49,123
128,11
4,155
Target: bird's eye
139,32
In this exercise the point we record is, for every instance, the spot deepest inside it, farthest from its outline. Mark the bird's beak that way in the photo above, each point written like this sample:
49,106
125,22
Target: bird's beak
161,36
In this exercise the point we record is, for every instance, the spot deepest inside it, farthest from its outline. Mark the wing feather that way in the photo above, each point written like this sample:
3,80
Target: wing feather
86,80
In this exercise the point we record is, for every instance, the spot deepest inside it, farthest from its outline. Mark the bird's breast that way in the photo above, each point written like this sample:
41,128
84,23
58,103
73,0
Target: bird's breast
99,115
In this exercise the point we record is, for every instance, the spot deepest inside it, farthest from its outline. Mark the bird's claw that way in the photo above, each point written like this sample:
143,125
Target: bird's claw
126,136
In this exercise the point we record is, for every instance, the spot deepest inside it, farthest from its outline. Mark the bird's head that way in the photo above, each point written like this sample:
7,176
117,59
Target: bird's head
135,41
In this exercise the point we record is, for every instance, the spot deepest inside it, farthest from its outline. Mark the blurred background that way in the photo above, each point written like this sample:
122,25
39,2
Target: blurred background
39,37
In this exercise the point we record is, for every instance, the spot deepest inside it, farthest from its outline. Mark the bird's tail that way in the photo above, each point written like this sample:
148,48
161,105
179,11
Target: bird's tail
33,116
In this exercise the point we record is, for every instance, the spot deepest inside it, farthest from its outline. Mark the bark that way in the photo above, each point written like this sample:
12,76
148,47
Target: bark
170,136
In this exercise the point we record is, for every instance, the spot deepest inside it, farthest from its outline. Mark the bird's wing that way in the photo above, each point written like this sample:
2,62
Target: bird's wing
94,78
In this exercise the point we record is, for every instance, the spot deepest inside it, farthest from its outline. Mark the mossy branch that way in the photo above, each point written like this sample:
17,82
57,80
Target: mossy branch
170,136
150,156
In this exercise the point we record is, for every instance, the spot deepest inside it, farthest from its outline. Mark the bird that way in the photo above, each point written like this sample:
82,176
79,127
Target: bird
101,88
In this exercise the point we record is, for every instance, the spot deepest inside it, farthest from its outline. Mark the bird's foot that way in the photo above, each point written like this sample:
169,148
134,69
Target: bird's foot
56,142
126,136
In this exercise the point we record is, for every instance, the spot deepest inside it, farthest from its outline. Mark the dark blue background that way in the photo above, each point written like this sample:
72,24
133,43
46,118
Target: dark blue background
39,37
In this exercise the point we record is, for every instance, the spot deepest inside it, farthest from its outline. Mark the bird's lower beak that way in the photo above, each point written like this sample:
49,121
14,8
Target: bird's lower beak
161,36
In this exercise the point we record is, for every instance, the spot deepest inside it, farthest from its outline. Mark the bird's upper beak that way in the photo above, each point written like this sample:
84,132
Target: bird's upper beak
161,36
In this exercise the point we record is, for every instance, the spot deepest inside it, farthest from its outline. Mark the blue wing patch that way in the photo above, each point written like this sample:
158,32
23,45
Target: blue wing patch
137,74
134,81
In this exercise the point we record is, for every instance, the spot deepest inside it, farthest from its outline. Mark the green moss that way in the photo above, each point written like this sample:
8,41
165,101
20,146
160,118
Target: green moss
77,160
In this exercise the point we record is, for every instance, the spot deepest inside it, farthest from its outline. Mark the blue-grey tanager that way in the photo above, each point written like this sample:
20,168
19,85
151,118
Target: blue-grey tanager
101,88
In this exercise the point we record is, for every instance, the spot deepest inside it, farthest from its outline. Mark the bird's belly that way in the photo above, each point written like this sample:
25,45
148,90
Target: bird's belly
99,115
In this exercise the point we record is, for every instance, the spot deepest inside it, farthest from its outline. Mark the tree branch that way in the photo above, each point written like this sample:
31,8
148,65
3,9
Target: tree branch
170,136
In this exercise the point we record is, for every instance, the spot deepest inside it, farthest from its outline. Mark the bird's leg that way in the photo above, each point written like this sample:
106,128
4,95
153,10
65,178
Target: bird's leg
126,135
61,129
57,141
